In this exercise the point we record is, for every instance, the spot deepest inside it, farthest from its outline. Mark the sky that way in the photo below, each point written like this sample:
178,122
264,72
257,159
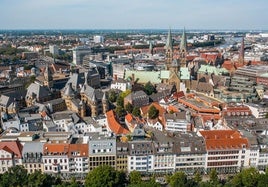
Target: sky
134,14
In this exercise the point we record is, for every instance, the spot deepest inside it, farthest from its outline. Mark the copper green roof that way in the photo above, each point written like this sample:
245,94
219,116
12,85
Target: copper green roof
185,74
212,69
183,44
144,76
169,44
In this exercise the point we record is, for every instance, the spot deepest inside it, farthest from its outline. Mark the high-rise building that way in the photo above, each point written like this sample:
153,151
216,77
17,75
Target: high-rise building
79,53
98,39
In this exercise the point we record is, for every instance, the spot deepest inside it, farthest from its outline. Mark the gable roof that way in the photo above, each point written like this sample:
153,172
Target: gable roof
113,125
224,139
12,147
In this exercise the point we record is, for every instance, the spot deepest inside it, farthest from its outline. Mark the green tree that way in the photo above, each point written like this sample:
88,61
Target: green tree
236,181
42,180
112,96
213,177
120,111
149,88
178,179
120,101
263,180
136,112
197,177
129,107
250,177
15,176
153,112
104,176
135,177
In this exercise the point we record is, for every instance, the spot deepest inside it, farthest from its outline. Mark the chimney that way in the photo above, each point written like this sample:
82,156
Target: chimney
115,77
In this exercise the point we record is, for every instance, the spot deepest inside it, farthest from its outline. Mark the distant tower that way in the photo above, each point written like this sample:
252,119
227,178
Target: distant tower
169,49
151,50
242,52
183,49
48,79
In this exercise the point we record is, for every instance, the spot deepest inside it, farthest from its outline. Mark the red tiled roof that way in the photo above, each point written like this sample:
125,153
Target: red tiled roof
223,139
145,109
56,148
12,147
129,118
82,149
114,125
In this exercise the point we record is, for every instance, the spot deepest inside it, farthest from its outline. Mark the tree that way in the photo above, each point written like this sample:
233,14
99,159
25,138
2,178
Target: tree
120,102
42,180
112,96
120,111
197,177
153,112
250,176
136,112
104,176
129,107
263,179
149,88
178,179
15,176
135,177
237,180
213,177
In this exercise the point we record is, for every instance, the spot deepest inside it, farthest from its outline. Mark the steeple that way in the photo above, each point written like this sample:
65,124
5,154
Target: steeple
169,43
169,49
183,44
242,52
69,92
183,49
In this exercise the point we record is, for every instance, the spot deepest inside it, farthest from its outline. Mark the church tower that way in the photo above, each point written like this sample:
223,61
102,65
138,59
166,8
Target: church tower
172,65
183,49
169,49
48,79
105,103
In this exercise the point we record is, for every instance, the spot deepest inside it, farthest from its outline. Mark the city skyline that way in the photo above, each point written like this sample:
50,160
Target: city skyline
138,14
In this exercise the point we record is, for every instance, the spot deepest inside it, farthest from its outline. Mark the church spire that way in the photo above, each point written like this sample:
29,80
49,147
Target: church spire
169,43
169,49
183,44
183,49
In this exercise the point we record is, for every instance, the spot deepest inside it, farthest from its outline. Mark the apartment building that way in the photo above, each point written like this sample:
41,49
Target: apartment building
101,150
32,156
11,155
227,150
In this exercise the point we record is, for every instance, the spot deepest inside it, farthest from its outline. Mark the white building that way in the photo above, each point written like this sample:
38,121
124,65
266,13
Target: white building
79,53
55,158
98,39
11,155
178,122
54,50
120,84
140,156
